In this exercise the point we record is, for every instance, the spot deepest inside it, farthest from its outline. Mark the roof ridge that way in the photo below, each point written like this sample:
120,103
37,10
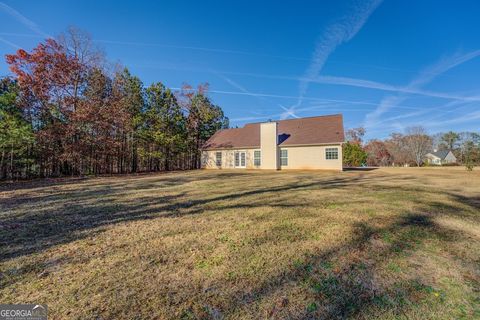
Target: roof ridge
322,116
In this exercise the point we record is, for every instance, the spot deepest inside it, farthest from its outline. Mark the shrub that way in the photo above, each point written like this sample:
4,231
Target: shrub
354,155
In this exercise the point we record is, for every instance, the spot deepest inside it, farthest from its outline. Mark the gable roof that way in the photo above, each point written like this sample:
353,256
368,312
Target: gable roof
442,154
301,131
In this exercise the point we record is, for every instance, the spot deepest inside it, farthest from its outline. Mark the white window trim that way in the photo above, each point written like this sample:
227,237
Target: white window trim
283,165
326,152
216,158
259,158
239,159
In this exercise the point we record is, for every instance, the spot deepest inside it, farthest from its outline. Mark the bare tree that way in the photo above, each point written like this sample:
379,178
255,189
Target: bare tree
355,135
417,143
79,44
396,148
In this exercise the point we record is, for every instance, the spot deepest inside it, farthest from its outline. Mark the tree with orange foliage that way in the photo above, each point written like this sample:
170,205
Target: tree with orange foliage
87,120
45,77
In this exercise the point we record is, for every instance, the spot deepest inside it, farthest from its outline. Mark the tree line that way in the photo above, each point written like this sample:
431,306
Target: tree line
409,148
67,111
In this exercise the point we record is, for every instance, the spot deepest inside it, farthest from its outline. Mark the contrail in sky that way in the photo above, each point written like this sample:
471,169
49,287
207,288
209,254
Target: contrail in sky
334,35
429,74
23,20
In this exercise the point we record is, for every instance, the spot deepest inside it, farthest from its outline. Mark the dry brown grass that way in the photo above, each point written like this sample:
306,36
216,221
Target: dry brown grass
389,243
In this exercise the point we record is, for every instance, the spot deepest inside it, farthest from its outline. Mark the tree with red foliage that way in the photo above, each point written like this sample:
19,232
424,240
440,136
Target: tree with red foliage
378,154
87,120
45,77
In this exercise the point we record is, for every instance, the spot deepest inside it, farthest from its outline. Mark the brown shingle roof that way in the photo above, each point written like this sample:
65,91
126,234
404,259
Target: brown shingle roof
302,131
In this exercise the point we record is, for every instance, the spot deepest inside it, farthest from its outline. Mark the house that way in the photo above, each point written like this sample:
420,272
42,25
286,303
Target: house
440,157
303,143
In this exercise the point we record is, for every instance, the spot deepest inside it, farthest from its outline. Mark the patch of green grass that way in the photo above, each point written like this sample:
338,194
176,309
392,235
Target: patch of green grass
331,205
387,236
383,301
327,286
207,264
327,265
298,263
369,211
312,307
392,266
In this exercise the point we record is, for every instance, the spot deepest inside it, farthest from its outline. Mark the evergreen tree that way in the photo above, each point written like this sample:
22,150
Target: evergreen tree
354,155
16,135
164,127
204,119
450,140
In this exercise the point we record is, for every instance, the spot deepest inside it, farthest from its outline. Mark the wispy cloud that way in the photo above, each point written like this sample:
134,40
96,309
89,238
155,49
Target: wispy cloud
171,46
314,99
322,106
453,107
23,20
207,49
11,44
258,117
425,77
289,112
236,85
414,114
333,80
334,35
473,116
386,87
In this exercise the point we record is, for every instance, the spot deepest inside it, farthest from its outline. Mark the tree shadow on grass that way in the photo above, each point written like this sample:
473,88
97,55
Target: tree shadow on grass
339,283
66,217
345,281
472,201
35,232
169,178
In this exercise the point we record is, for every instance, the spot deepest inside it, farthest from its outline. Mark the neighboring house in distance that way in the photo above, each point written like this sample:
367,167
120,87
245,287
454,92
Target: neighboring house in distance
440,157
303,143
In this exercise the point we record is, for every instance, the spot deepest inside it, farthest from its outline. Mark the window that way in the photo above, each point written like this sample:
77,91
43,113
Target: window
284,157
218,159
331,153
256,158
240,159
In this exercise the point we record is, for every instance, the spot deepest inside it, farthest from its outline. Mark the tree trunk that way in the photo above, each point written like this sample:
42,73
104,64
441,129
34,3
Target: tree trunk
4,171
11,161
134,155
167,159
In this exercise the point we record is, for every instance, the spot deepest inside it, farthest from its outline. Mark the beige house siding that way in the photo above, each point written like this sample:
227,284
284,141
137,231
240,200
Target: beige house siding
228,159
312,157
299,157
268,145
305,139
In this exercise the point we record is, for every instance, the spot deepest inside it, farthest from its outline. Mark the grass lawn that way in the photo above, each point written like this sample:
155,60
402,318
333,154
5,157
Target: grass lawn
390,243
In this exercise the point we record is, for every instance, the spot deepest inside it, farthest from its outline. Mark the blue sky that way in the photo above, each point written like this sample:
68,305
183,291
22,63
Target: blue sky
385,65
